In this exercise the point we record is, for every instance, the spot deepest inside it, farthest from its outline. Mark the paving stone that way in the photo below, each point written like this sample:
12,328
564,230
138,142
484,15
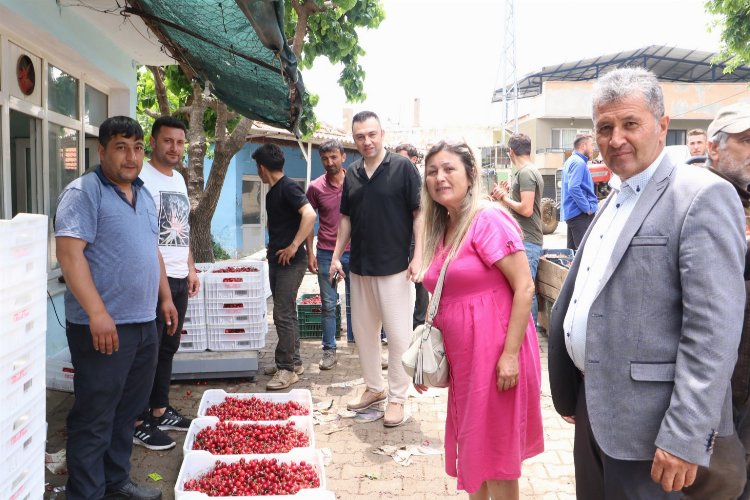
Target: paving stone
549,475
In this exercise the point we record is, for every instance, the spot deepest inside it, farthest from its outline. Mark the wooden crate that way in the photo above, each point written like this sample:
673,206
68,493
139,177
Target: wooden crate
549,280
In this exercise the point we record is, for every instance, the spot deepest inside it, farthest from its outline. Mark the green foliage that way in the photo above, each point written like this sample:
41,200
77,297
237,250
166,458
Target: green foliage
732,17
219,252
332,33
308,123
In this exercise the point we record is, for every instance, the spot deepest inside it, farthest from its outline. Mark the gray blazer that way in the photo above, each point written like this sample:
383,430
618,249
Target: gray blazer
663,331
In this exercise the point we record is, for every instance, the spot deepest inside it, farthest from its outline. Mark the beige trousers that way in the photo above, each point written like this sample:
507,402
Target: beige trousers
386,301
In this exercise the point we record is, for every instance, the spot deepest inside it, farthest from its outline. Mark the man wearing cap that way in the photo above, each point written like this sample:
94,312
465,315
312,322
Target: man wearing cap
729,470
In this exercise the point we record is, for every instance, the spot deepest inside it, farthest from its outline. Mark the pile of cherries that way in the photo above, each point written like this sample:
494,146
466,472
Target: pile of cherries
255,409
232,269
234,330
314,300
254,478
229,438
234,306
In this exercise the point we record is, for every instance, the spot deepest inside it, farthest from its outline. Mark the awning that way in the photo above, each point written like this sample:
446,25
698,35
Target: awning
669,64
237,47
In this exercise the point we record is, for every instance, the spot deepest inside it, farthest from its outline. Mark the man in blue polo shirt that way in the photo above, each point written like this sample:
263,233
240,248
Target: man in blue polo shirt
106,235
579,201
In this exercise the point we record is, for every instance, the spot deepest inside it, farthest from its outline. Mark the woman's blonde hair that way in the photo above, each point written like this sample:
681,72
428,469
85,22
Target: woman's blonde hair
435,216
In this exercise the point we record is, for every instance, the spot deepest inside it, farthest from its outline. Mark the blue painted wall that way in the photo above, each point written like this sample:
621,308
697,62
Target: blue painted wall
226,226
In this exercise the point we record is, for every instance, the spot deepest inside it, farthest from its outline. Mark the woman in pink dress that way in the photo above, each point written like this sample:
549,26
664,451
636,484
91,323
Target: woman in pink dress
494,418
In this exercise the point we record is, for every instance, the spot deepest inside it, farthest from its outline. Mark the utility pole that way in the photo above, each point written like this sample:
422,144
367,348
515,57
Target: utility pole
508,75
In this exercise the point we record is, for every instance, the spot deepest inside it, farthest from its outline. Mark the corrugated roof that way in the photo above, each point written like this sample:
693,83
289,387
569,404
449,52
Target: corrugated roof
669,64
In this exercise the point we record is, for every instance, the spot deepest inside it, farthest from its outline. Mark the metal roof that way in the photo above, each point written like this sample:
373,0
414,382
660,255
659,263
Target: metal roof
669,64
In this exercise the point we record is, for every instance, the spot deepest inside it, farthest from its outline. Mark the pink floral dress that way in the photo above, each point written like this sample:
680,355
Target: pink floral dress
488,433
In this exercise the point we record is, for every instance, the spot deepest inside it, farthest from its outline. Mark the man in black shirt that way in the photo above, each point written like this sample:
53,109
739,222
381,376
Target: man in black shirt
290,220
380,212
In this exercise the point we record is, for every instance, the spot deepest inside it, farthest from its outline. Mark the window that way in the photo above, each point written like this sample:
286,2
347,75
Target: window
63,168
96,107
562,138
62,94
676,137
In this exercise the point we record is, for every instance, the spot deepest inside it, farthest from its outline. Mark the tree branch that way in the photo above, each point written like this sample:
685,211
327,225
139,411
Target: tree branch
161,90
304,8
152,114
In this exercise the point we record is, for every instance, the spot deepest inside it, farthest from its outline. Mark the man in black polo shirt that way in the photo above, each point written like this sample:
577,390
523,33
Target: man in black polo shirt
380,209
290,220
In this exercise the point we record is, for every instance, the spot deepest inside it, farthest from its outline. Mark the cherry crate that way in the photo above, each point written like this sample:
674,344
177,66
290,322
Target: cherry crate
217,396
224,282
303,424
197,463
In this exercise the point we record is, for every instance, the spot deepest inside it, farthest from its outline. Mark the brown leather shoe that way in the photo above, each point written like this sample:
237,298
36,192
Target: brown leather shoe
394,415
368,399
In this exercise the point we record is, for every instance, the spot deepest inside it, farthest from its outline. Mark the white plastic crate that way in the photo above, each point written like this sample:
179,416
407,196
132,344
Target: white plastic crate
22,374
60,371
27,301
221,290
237,337
23,253
217,396
219,319
15,457
19,333
22,424
222,344
196,311
194,338
27,483
302,424
198,463
235,306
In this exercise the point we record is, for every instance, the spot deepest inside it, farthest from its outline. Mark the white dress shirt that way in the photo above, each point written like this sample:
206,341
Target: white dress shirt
596,256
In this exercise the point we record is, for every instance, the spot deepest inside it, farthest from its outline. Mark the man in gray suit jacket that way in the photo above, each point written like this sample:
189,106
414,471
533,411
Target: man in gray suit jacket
644,334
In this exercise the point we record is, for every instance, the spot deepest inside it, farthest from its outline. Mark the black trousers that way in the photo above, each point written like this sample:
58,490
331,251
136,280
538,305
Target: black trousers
285,282
577,227
110,393
420,304
168,344
601,477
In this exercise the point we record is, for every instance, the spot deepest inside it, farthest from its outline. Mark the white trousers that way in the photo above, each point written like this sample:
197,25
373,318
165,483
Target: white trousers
386,301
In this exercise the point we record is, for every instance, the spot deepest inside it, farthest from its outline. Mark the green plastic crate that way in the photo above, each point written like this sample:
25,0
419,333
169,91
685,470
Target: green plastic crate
309,318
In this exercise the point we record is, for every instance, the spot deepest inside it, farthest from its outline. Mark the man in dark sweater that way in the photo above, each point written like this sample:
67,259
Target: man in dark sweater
729,470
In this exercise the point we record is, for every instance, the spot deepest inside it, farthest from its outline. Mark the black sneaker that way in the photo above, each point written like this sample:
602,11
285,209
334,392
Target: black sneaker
149,436
172,421
133,490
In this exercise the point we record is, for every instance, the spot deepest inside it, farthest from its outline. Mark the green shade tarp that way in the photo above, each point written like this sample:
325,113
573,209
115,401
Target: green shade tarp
239,47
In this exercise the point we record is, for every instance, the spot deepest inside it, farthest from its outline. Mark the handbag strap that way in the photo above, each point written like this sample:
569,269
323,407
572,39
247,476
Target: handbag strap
435,300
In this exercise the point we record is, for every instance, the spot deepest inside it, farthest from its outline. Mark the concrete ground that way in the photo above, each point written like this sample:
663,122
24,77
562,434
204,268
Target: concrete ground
355,471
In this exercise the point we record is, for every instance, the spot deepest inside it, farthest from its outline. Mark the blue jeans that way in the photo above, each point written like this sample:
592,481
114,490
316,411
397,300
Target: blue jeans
533,252
329,296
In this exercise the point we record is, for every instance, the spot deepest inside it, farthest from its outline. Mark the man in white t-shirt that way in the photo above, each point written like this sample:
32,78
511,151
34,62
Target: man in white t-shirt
169,192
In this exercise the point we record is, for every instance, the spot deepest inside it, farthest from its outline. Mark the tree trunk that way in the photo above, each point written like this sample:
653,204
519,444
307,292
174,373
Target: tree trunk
200,237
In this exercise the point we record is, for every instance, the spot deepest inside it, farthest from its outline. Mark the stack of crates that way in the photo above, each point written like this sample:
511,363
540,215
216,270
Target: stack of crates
23,326
194,336
236,306
309,317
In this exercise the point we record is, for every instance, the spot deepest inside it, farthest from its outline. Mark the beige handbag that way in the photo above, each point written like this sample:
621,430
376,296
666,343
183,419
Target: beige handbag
425,360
